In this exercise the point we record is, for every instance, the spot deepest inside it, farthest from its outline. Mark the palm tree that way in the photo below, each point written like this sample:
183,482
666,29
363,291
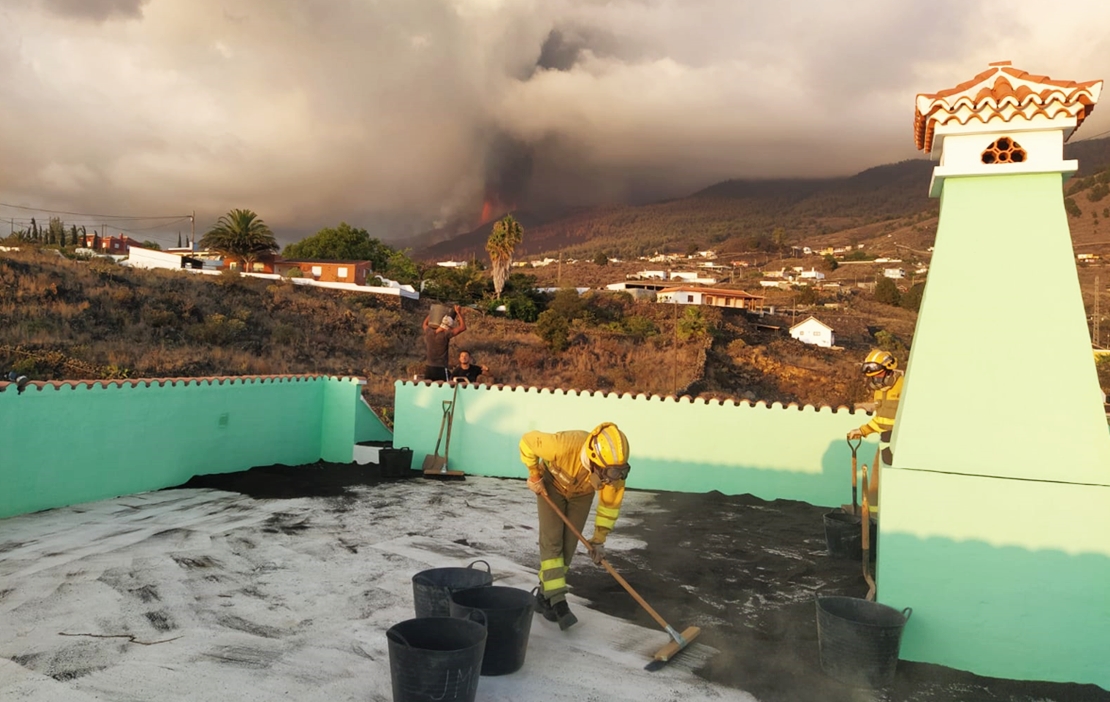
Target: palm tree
240,234
507,233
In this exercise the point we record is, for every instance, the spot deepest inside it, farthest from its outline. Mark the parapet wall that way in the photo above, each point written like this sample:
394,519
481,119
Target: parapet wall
683,445
68,442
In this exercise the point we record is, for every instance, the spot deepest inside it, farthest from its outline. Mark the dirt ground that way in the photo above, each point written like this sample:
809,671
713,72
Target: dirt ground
743,569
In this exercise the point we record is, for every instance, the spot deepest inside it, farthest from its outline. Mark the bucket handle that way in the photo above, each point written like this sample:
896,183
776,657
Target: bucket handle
488,569
485,620
907,612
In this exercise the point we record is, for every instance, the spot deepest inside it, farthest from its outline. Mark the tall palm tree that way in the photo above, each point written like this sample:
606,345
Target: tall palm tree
507,233
240,234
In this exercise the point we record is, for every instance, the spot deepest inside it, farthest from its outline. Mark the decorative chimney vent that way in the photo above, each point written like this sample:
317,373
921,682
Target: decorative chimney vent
1004,150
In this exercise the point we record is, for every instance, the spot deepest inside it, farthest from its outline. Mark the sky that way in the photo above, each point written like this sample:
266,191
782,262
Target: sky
401,115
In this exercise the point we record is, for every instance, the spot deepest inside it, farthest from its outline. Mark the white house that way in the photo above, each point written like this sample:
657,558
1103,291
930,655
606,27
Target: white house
648,275
138,257
692,277
713,297
813,331
451,264
812,274
894,273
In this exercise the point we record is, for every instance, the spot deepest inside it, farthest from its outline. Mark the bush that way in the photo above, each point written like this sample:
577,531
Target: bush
887,292
1071,208
640,327
554,329
520,307
912,299
829,262
692,324
568,304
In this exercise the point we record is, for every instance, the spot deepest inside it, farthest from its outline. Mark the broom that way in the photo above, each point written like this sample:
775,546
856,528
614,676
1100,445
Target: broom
678,642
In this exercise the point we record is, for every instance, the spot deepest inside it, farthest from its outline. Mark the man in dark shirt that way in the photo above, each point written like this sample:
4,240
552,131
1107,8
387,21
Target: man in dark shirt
467,369
437,340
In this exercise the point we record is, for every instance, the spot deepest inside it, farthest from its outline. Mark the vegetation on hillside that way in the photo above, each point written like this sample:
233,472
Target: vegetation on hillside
62,319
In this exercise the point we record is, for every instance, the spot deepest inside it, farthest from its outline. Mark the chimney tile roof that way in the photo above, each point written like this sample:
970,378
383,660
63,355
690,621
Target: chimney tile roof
1006,94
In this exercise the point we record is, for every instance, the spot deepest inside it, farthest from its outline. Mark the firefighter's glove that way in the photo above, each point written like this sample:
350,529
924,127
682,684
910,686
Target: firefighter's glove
597,552
855,434
535,484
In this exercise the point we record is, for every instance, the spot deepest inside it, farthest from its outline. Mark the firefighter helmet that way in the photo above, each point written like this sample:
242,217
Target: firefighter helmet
607,446
879,362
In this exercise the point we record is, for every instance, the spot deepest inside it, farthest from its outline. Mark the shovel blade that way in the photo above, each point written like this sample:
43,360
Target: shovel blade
434,464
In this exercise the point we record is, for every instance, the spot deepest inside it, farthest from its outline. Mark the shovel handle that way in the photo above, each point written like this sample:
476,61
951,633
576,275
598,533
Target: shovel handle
605,564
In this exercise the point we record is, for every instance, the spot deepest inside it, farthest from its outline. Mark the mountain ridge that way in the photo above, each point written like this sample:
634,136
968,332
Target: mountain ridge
733,213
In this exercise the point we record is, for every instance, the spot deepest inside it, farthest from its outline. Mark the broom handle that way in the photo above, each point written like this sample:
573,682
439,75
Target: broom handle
624,583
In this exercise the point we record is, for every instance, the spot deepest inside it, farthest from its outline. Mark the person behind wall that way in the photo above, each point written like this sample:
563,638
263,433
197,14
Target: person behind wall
569,467
467,370
437,342
881,370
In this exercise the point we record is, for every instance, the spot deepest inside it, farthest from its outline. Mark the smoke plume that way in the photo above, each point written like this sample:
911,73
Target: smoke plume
398,115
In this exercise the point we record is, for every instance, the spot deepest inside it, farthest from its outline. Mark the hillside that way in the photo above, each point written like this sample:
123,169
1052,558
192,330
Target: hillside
64,319
740,215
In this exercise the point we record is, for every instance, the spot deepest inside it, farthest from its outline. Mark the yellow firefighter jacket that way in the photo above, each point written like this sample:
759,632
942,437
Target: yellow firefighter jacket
561,455
886,407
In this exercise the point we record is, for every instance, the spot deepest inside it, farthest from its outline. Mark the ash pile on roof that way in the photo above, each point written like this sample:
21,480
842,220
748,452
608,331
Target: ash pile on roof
282,482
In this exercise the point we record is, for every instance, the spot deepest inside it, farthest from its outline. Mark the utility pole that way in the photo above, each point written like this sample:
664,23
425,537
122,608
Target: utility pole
1098,315
193,231
674,363
559,274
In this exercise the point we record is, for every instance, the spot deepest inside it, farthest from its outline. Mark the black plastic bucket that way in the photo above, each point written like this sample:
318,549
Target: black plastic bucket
859,640
844,537
436,659
508,611
431,589
396,462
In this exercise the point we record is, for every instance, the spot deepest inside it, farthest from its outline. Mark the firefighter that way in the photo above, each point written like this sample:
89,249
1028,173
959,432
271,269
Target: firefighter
881,369
569,467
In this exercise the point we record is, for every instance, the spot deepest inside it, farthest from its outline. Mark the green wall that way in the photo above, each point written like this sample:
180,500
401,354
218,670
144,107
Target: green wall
996,513
1007,578
64,444
689,446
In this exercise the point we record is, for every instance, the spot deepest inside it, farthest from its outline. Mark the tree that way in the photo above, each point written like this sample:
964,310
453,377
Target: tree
601,259
152,245
691,248
179,240
779,238
341,243
912,299
830,262
240,234
887,292
554,329
503,240
55,231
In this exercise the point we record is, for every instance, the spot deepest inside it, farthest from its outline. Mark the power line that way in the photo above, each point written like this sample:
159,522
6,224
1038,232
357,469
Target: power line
87,214
1094,136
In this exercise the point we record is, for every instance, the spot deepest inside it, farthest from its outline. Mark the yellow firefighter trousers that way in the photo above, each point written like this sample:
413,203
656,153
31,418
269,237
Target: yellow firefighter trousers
557,542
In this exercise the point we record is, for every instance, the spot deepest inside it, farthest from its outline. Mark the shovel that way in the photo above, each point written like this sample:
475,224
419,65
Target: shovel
435,466
866,525
678,642
855,501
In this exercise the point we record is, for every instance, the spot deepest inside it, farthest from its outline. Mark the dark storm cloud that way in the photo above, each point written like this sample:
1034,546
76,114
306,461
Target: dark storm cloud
98,10
402,113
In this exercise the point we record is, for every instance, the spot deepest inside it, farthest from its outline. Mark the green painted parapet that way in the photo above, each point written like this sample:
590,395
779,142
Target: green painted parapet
772,451
71,442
